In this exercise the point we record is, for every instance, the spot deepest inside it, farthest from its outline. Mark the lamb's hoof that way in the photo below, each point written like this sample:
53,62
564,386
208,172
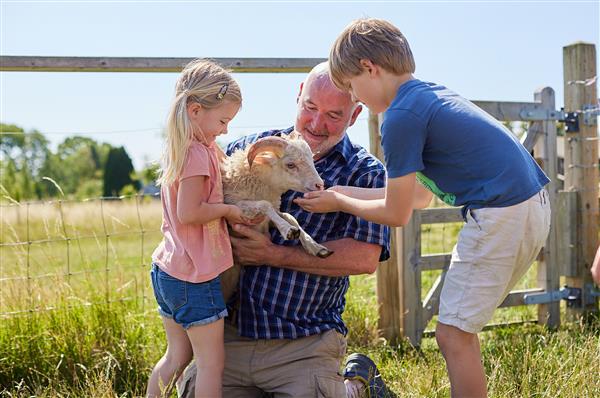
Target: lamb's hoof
324,253
293,233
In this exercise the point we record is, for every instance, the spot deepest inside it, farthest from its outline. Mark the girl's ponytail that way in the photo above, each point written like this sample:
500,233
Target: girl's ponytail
206,83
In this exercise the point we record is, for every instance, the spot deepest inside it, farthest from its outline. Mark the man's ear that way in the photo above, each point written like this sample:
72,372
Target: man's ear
300,92
355,114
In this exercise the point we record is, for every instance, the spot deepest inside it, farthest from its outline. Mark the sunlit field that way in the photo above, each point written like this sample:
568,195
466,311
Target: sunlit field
79,319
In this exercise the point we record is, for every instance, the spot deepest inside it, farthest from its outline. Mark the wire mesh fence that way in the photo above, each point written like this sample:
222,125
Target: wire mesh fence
76,252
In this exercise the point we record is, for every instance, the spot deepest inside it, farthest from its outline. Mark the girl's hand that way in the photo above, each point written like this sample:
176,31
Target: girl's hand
320,201
235,215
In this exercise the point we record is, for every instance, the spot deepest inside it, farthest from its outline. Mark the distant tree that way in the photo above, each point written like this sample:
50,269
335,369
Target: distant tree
23,155
8,179
149,174
12,137
117,172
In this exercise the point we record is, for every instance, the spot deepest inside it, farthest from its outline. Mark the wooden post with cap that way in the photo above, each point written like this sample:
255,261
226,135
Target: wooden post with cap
581,165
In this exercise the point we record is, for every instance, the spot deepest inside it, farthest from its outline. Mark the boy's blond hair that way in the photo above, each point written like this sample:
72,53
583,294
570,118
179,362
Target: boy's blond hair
369,38
206,83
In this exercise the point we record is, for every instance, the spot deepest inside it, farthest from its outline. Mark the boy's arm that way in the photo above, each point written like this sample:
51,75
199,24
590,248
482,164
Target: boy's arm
394,209
422,196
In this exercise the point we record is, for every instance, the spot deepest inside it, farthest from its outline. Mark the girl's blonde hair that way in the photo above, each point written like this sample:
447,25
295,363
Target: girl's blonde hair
203,82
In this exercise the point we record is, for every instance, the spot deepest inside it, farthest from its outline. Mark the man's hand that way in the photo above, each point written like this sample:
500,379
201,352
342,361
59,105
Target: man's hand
320,201
255,248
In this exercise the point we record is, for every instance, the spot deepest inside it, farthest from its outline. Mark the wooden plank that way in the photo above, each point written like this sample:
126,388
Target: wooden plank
536,129
566,228
431,304
150,64
411,310
440,215
581,162
388,272
508,111
515,298
548,271
491,326
432,262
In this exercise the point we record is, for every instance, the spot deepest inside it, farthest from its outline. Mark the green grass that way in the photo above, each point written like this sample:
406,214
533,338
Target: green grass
104,335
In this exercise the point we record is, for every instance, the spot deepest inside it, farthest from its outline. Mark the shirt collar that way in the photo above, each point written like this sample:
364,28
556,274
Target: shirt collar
344,148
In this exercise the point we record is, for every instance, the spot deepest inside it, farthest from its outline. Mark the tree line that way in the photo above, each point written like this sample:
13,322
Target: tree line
80,167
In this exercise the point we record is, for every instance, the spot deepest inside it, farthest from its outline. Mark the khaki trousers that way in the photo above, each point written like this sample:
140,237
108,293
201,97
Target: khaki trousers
279,368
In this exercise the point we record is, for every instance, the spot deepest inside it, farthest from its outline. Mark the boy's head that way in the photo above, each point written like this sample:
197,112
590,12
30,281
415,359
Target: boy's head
369,39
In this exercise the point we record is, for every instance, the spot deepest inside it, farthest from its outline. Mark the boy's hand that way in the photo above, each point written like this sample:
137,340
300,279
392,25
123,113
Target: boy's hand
320,201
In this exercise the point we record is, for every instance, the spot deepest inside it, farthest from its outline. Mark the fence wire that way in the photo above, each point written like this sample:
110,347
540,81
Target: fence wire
69,252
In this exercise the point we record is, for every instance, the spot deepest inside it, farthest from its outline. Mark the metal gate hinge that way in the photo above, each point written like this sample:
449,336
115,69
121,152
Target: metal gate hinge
571,294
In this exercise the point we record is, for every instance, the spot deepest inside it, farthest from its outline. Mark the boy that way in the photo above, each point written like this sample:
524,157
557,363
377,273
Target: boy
464,156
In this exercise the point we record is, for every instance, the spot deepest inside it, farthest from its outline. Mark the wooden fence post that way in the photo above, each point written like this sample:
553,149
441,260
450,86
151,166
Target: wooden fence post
388,276
548,267
581,161
411,311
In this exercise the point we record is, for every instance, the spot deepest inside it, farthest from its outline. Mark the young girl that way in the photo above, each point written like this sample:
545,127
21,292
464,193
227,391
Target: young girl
195,248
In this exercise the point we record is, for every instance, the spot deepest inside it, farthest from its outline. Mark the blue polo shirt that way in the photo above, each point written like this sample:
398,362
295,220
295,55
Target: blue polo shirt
458,151
278,303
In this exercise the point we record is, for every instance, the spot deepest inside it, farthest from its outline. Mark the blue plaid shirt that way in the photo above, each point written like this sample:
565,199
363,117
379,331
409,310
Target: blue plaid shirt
279,303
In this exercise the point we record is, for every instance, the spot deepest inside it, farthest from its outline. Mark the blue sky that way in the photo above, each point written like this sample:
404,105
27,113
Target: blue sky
486,50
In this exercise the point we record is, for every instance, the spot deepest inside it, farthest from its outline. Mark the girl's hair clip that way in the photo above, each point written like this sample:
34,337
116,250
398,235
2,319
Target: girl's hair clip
222,91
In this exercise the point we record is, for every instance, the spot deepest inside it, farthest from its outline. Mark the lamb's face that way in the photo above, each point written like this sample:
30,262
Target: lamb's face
284,164
295,170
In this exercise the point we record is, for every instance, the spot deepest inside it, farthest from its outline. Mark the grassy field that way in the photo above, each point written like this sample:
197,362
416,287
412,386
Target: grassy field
89,263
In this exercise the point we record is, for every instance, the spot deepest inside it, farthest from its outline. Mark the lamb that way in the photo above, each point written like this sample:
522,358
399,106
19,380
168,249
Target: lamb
255,178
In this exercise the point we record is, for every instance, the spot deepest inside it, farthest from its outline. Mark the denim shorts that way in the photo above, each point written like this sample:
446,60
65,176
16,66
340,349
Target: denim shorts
187,303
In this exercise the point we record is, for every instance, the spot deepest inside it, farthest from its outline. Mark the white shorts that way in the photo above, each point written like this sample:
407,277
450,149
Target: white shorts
495,248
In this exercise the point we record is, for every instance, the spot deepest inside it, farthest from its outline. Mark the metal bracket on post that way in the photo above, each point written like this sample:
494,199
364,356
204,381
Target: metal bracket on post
590,115
590,294
536,114
571,121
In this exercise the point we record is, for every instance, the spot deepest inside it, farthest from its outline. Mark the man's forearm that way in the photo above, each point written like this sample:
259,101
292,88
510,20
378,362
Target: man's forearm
350,257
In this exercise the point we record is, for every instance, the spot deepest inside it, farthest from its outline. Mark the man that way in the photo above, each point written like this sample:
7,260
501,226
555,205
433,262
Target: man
291,338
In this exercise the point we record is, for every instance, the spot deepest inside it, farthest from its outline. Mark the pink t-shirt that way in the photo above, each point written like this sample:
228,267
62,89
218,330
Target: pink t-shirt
194,252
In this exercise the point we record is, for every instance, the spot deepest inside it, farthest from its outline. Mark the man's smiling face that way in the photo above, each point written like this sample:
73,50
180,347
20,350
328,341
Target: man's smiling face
324,113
